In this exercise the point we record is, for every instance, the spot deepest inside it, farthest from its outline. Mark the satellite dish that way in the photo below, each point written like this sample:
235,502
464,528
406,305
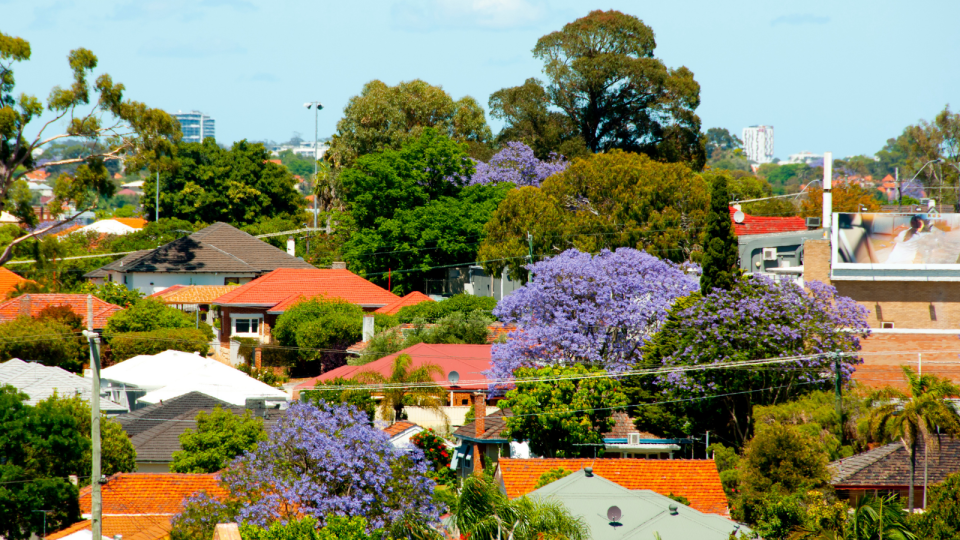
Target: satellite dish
614,514
738,216
453,377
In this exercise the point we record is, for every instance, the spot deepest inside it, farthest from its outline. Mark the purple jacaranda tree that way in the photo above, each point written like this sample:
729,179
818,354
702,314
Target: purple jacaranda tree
758,319
327,460
516,163
584,309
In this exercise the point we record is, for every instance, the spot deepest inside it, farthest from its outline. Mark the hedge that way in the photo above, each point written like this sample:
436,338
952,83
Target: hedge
130,344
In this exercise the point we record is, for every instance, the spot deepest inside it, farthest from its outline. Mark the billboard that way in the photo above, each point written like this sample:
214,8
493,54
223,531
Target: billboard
897,240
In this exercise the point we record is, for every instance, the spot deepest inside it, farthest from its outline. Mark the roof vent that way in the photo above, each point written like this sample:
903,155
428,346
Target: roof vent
588,472
673,509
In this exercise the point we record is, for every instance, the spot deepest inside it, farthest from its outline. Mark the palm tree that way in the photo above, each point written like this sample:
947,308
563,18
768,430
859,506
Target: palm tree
406,386
483,512
874,518
895,415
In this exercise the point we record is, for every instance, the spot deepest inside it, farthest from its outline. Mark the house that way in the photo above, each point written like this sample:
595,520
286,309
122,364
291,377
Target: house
695,479
140,506
194,298
467,362
30,305
251,310
155,430
216,255
483,440
613,512
411,299
9,282
772,245
624,440
41,382
117,226
886,470
401,432
170,374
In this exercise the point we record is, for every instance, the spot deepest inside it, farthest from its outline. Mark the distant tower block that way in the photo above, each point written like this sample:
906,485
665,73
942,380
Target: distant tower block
758,143
196,126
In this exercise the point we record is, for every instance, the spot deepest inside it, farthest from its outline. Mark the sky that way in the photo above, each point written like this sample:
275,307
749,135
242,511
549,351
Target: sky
840,76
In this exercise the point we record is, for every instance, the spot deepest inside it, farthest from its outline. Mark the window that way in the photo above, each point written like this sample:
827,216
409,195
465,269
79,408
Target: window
246,325
231,281
888,325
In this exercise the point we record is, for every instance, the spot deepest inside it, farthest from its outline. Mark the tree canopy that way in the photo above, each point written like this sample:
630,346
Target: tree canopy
721,253
603,76
207,183
220,437
386,117
606,201
320,328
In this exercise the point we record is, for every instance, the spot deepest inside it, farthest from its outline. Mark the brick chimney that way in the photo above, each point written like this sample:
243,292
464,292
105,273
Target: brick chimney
25,305
480,413
258,358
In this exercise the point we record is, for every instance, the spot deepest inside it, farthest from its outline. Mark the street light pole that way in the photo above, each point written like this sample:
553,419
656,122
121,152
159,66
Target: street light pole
316,158
900,186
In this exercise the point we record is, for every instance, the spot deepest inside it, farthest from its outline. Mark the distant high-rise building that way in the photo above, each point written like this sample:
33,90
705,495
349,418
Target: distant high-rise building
196,126
758,143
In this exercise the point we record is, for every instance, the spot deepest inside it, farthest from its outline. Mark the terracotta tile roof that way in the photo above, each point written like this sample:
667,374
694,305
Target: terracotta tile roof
695,479
766,225
9,281
493,426
130,527
32,304
168,291
217,248
411,299
890,465
884,354
195,294
135,222
622,426
286,286
150,493
397,428
469,361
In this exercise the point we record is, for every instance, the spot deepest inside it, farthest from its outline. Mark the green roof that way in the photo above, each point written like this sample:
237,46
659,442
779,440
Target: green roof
643,512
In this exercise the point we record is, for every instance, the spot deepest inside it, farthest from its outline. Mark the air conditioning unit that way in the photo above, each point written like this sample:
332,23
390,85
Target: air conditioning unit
769,254
633,438
813,223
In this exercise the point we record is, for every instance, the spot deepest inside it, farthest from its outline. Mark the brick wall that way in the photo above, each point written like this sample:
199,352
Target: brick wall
816,260
225,316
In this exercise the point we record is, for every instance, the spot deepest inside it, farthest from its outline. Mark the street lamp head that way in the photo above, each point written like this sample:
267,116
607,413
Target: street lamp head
308,105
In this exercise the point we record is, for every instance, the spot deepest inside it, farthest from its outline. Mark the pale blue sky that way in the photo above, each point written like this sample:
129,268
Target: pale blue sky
828,75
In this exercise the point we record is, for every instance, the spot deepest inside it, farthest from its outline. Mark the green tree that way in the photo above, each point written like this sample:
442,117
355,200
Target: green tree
238,186
147,315
337,528
551,476
483,512
112,292
298,165
386,117
847,197
48,341
528,116
720,140
562,416
742,187
321,328
603,76
915,417
781,457
121,129
459,303
117,453
721,251
40,446
413,211
815,414
126,345
941,518
408,386
606,201
220,436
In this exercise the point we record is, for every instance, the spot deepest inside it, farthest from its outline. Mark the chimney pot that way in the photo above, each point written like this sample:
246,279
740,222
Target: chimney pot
291,247
369,327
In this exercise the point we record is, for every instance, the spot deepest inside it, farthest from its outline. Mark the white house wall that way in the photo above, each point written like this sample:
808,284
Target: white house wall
149,283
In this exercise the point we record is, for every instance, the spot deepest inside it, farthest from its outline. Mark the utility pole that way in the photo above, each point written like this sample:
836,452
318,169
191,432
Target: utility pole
156,214
95,496
316,105
45,512
838,388
530,253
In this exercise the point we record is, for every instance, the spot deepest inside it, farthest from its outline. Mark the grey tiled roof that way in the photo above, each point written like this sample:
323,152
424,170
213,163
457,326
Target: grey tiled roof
40,382
493,426
217,248
890,465
118,264
155,430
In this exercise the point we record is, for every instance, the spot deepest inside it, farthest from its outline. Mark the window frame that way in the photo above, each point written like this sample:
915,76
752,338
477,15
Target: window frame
234,317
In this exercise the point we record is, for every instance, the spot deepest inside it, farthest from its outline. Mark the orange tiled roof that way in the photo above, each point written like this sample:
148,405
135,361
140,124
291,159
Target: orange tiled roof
149,493
167,292
411,299
398,427
196,294
695,479
135,222
766,224
284,287
9,281
33,304
131,527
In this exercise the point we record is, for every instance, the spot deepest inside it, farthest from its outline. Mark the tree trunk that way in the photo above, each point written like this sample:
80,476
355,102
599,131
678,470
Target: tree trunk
913,470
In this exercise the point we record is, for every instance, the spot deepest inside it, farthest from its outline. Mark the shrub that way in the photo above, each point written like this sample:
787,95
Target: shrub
62,314
148,315
47,341
320,327
461,303
112,292
551,476
130,344
437,453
